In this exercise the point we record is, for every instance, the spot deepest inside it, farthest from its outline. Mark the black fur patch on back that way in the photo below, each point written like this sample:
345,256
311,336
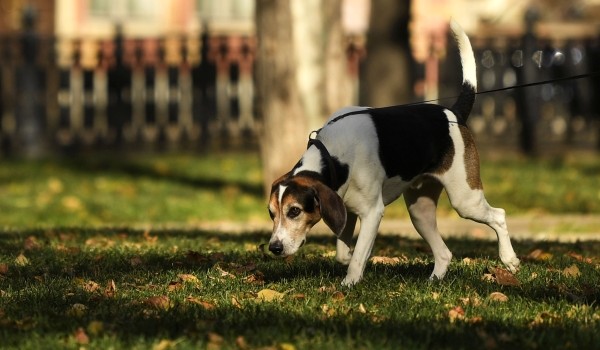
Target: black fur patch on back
412,139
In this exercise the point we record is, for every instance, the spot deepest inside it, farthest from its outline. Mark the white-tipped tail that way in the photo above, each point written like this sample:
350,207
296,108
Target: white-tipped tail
463,105
467,59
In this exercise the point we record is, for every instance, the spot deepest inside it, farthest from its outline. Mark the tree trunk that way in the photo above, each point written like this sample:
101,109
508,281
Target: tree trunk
386,77
301,76
284,128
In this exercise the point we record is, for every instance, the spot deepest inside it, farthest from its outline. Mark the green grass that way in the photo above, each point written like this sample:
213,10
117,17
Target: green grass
55,293
100,190
70,229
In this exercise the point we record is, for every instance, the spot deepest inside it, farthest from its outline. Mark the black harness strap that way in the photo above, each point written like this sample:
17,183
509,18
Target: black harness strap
325,153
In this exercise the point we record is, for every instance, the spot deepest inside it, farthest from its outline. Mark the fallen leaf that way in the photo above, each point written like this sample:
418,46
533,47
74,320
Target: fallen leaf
164,344
384,260
95,328
504,277
224,273
299,296
435,295
543,318
255,278
539,255
148,238
161,302
497,296
241,343
580,257
488,277
269,295
91,286
456,313
328,311
81,337
31,243
174,285
571,271
236,303
286,346
77,310
327,289
338,296
189,278
205,304
362,309
21,260
111,289
215,341
3,269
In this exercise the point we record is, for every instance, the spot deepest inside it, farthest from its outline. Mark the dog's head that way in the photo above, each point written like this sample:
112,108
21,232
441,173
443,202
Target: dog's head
296,204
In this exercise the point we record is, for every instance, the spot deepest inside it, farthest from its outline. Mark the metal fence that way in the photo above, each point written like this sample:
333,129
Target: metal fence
60,94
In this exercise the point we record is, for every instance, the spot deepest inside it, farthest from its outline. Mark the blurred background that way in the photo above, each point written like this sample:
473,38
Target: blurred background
178,89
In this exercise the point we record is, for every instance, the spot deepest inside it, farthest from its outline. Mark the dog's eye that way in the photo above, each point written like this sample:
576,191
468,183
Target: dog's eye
293,212
271,214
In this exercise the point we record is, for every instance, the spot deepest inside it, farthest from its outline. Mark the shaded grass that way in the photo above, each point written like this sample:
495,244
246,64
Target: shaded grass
100,189
395,306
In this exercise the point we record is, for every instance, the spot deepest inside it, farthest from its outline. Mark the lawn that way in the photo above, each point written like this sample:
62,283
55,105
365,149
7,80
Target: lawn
97,252
186,189
106,288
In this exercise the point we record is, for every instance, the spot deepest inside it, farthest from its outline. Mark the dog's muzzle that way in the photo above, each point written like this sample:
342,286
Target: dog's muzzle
276,247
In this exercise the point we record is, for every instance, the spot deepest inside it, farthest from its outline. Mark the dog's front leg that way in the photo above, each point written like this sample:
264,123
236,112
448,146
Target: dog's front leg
344,240
369,224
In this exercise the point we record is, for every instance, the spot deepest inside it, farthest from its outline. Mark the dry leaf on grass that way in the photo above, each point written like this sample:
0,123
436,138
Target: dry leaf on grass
504,277
384,260
205,304
236,303
456,313
161,302
580,257
539,255
31,243
497,296
21,260
95,328
81,337
269,295
90,286
571,271
77,310
338,296
111,289
165,344
3,269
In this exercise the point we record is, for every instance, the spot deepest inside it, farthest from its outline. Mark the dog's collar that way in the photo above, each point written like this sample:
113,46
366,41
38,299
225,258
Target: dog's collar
333,179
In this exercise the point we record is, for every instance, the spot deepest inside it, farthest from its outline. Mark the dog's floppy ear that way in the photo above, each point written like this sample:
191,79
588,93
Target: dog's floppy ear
333,210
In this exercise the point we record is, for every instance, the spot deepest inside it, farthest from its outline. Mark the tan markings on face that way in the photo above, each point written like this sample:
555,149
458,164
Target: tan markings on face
291,221
471,160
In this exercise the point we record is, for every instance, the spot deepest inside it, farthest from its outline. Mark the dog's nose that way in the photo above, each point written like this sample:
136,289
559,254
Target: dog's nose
276,247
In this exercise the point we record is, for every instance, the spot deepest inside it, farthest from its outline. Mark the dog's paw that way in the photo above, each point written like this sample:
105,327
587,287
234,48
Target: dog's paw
344,259
512,264
349,281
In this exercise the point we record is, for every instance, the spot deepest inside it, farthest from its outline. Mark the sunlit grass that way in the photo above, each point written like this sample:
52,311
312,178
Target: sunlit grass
100,190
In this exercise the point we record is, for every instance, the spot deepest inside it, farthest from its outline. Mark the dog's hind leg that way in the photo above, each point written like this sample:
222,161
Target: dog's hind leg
344,241
463,185
421,202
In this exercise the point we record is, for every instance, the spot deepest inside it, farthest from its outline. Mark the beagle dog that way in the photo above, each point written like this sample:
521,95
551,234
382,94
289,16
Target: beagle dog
365,158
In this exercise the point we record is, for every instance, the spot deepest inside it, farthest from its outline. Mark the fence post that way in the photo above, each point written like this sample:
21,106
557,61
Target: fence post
29,112
527,101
